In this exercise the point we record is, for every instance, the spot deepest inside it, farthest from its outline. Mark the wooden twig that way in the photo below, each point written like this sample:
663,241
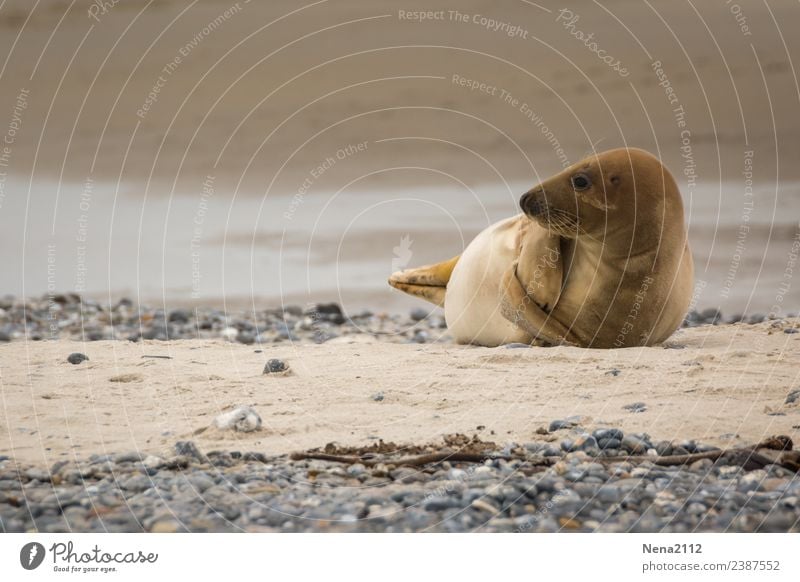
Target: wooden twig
748,457
417,460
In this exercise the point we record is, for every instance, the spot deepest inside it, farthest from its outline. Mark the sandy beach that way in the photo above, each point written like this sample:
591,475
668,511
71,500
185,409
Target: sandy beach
183,183
723,385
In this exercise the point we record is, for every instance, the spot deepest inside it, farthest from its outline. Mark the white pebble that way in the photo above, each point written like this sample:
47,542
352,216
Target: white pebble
152,462
230,333
241,418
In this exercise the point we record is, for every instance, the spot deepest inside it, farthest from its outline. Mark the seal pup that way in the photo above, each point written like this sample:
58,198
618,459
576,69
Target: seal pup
598,258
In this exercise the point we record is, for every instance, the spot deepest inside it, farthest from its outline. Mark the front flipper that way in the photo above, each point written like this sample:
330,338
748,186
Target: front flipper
428,282
518,307
540,267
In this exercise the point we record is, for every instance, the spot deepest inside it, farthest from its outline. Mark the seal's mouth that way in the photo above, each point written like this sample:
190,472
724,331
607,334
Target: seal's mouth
534,204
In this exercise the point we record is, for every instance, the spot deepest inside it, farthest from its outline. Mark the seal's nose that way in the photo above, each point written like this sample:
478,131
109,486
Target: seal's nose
531,202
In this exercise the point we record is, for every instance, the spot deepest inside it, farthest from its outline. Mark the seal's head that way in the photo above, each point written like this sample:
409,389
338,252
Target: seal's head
602,194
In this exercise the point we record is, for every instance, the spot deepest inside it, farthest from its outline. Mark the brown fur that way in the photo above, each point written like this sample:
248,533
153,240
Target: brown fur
605,265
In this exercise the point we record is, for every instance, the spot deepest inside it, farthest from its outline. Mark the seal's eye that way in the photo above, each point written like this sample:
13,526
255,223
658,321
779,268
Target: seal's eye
581,182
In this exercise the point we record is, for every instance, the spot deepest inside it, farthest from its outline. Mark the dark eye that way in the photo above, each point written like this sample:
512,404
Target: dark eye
581,182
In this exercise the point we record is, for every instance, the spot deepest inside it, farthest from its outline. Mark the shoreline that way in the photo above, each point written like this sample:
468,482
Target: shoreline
70,316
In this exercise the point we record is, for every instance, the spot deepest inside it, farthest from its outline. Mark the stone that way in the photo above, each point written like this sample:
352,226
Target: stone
241,419
608,433
189,449
275,366
418,314
560,425
634,445
200,481
77,358
129,457
792,397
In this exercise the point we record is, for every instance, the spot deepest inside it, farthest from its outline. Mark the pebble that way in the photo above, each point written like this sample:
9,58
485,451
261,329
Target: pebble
275,366
609,443
560,424
608,433
378,397
188,449
635,407
418,314
241,419
793,397
200,482
137,483
130,457
77,358
635,445
85,319
585,442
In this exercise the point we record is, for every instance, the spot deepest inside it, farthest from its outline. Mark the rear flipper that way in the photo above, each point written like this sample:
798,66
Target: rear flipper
428,283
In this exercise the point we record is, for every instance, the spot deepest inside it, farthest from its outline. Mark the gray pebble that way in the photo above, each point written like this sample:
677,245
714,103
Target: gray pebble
275,366
137,483
130,457
634,445
608,433
356,470
609,443
560,424
188,449
200,481
635,407
77,358
418,314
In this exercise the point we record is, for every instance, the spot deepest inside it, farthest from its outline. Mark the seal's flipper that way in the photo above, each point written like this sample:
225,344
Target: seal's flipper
541,265
428,283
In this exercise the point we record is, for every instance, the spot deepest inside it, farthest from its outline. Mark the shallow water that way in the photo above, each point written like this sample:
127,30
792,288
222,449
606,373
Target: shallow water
208,247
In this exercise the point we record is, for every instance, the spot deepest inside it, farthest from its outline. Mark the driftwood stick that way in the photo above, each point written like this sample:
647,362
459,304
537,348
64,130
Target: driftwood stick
747,457
414,461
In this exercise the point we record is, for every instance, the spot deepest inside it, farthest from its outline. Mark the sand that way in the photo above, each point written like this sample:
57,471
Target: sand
725,386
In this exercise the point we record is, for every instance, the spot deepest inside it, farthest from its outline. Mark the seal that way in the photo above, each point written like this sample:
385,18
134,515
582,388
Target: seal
598,258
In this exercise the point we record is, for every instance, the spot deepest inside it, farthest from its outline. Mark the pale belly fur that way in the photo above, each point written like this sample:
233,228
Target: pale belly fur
472,299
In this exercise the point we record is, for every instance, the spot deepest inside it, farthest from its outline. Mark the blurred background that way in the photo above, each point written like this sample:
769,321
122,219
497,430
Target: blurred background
269,153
